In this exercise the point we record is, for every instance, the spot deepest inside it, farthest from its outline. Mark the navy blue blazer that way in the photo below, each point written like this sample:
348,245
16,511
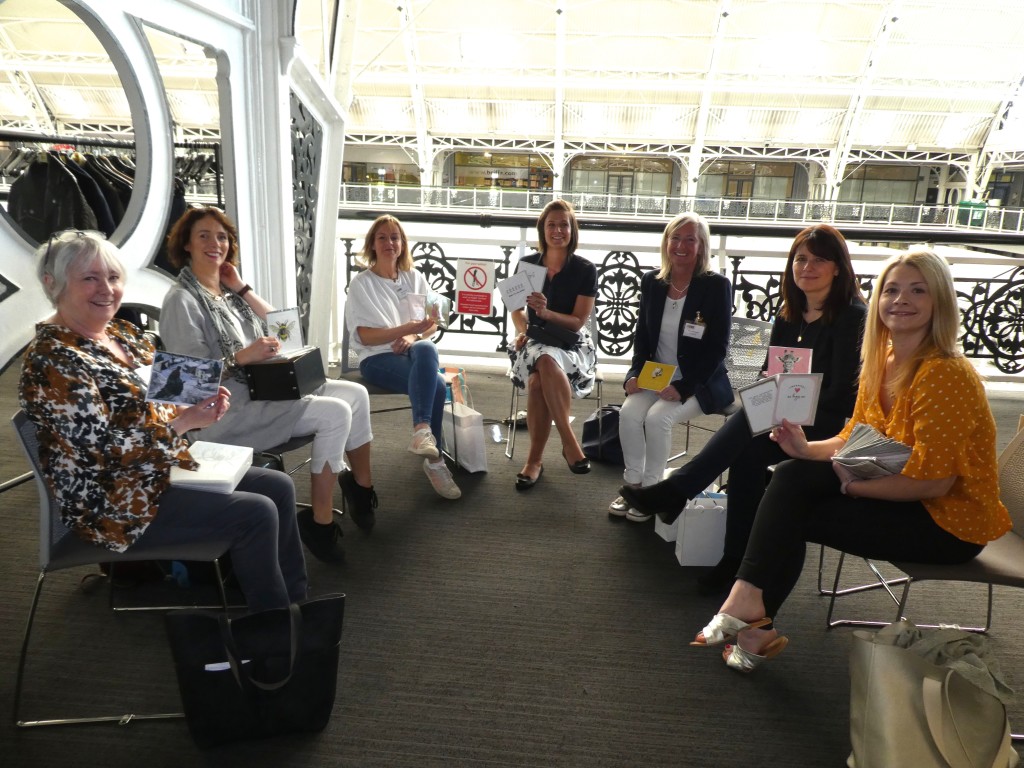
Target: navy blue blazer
701,361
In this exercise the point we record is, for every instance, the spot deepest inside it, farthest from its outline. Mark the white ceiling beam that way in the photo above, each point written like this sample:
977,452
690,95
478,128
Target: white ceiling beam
342,74
689,183
424,151
851,121
985,154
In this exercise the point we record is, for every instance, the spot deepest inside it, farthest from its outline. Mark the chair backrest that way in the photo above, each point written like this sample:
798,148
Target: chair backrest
1011,480
51,528
748,345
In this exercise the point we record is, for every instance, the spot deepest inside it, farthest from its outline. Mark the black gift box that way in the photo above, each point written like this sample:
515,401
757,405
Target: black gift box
288,378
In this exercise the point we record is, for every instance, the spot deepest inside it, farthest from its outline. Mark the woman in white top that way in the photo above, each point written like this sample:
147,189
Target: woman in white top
394,349
684,321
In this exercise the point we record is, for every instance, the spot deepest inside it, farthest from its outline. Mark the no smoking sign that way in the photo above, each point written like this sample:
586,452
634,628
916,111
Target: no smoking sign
475,283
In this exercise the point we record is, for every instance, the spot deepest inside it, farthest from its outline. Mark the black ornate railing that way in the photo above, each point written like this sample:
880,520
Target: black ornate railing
307,141
992,307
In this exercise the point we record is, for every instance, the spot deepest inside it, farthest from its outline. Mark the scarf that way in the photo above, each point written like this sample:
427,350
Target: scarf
220,313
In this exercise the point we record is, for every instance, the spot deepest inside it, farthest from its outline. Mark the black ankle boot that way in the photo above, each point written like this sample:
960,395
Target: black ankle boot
358,501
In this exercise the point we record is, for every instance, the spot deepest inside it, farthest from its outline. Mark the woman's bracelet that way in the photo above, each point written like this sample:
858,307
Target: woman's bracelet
244,290
844,488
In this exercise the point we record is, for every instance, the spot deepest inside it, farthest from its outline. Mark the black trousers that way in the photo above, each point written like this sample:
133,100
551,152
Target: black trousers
747,459
803,504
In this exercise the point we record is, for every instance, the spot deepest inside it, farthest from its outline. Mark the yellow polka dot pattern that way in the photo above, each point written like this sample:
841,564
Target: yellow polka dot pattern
945,418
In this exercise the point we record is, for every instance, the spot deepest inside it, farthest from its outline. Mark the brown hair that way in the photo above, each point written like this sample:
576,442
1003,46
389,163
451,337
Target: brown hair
565,207
181,233
828,243
369,257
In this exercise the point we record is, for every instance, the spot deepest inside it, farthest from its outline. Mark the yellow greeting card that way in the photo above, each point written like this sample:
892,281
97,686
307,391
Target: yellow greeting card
655,376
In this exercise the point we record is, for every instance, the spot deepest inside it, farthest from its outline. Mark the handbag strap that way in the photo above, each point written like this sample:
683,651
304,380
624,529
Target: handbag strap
242,677
948,734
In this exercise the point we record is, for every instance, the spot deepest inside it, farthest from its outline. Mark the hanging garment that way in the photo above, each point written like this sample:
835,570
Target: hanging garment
47,199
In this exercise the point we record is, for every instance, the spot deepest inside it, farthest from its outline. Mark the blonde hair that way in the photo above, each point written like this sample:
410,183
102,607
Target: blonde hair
368,256
703,239
943,329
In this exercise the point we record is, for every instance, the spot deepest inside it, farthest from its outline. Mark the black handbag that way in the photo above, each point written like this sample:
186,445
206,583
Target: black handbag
601,435
287,377
553,335
257,675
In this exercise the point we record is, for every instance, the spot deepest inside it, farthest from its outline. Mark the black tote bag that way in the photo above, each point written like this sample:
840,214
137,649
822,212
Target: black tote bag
601,435
258,675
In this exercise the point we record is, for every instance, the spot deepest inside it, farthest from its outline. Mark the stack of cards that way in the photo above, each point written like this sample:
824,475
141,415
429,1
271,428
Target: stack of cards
868,453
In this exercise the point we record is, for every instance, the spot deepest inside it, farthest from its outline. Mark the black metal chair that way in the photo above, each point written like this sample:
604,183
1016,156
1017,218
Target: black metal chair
60,548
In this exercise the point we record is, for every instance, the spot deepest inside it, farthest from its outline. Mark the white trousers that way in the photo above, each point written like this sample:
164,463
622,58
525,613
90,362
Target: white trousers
338,417
645,431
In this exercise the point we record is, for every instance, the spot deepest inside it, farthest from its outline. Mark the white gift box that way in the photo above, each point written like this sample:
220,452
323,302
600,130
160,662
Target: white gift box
700,531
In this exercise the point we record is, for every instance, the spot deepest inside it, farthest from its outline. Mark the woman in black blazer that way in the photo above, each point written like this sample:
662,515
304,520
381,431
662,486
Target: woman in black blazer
684,321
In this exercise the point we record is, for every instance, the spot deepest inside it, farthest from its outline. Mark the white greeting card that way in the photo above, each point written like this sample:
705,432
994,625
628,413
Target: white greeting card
790,396
285,326
514,291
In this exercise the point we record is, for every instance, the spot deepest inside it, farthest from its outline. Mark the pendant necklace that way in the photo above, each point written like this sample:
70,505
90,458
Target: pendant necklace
680,291
800,333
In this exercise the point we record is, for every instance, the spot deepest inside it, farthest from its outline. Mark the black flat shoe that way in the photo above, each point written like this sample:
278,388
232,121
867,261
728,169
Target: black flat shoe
654,501
580,467
525,482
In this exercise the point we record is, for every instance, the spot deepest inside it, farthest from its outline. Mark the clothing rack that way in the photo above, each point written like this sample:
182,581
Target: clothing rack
76,141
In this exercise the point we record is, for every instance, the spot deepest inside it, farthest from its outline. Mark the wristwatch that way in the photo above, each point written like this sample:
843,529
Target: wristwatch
230,363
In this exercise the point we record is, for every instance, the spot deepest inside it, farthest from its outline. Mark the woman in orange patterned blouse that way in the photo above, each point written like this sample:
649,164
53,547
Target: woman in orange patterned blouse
943,507
107,453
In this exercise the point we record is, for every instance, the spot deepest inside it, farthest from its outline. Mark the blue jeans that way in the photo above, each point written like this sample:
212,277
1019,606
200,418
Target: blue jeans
414,375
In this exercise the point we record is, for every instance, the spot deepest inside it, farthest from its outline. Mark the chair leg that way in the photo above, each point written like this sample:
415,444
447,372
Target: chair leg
977,630
19,680
882,583
218,575
859,588
510,441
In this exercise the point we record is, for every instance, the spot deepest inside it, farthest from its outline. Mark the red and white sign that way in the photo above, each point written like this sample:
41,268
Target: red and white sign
474,284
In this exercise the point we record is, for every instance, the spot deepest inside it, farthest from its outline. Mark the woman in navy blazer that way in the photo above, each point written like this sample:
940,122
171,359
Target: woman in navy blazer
684,320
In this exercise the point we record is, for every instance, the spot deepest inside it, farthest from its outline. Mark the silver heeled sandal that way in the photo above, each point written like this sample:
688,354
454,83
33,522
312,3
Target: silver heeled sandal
746,661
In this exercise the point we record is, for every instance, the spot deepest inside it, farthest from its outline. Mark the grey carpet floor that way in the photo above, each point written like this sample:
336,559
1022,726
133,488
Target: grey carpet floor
503,629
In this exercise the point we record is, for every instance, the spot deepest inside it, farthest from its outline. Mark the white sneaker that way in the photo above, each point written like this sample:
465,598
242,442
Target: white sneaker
423,444
619,507
441,478
636,516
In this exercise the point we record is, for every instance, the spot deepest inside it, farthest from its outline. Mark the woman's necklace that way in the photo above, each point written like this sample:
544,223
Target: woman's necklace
804,325
676,299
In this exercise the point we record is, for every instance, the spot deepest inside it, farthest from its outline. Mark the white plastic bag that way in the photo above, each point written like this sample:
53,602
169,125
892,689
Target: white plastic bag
467,443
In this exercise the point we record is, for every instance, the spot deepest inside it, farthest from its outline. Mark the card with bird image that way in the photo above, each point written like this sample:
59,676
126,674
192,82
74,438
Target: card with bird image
655,376
181,379
285,326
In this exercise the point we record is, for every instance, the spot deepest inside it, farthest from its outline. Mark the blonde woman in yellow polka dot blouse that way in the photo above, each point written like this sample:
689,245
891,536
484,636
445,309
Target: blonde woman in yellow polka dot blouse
916,387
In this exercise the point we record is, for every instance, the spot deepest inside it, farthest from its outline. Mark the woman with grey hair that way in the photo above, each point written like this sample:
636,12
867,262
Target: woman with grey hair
683,328
107,453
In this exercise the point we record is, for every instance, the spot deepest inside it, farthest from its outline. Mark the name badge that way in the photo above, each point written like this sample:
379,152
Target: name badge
401,291
693,330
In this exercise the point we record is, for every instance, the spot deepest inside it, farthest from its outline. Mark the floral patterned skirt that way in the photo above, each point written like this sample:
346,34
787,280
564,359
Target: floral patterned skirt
579,363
